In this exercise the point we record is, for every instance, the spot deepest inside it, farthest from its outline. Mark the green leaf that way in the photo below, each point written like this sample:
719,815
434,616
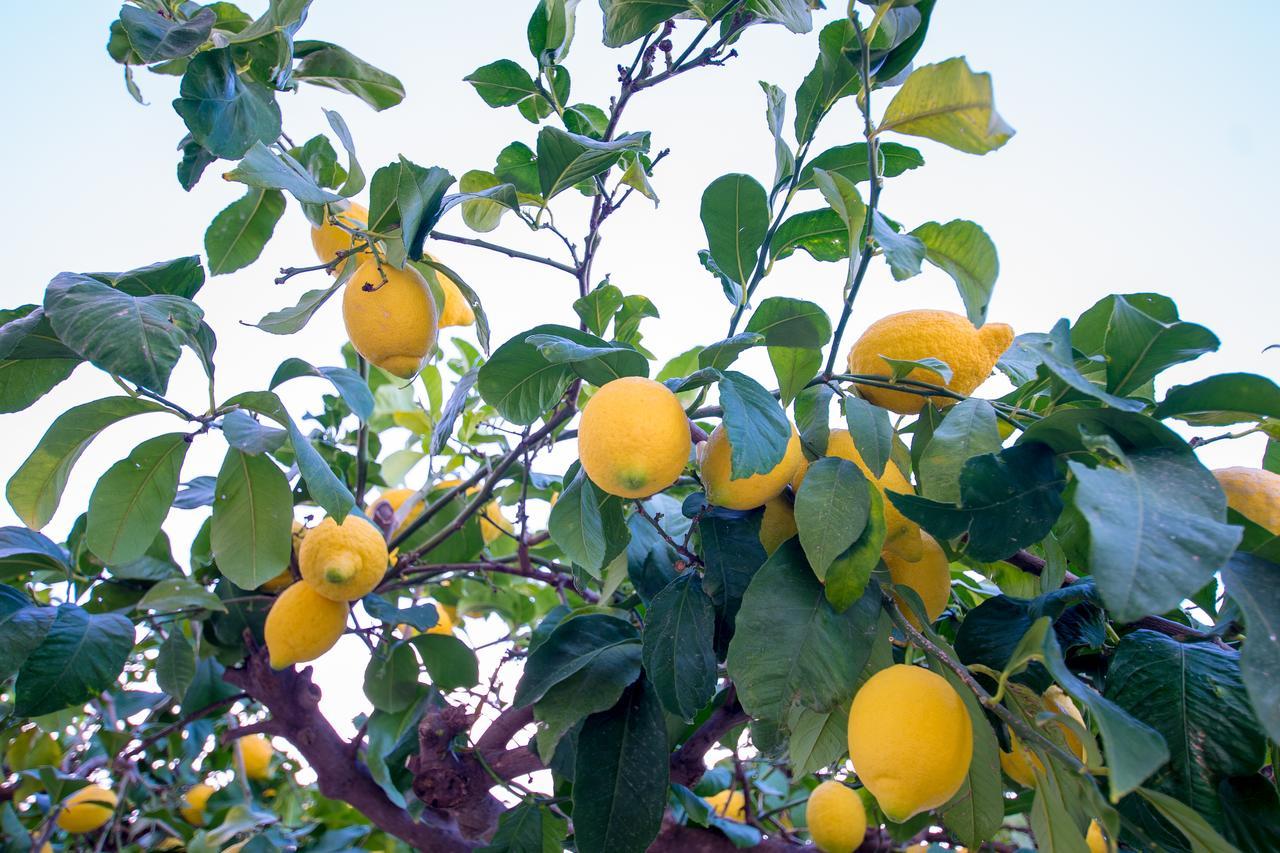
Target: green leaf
794,367
226,113
180,593
588,524
287,321
1140,346
871,431
847,579
621,775
963,251
23,382
786,322
627,20
155,37
355,175
821,233
1254,584
1157,508
26,334
267,170
721,354
566,159
598,307
481,214
791,647
967,430
23,550
573,646
236,236
137,337
976,812
1191,824
503,83
391,676
1057,358
1008,500
81,656
948,103
596,687
818,738
775,114
732,554
337,68
832,509
36,487
679,646
843,197
834,76
850,161
23,627
175,665
735,216
353,389
244,432
1194,696
758,429
252,519
132,499
1251,812
1228,398
179,277
528,827
598,365
520,382
419,202
903,252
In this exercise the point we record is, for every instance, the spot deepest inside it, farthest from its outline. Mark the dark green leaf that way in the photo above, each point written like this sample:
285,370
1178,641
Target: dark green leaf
267,170
871,431
735,216
1254,584
503,83
596,687
1190,823
757,426
1157,508
391,676
732,554
903,252
225,112
290,320
354,390
598,365
1227,398
252,519
420,616
1056,356
81,656
847,579
155,37
821,233
786,322
721,354
1251,812
337,68
180,593
573,646
851,162
566,159
832,509
794,367
967,430
679,646
23,627
520,382
627,20
833,77
1140,346
244,432
621,775
24,382
23,550
588,524
1008,500
528,828
236,236
419,200
598,307
132,499
179,277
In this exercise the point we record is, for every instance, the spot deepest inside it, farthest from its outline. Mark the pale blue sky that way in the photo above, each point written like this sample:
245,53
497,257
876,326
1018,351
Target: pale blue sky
1143,161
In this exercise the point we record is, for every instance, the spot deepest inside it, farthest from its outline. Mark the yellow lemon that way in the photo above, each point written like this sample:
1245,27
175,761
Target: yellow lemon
902,534
235,848
446,620
171,844
729,804
746,492
394,323
328,240
778,523
48,848
282,580
910,740
87,809
256,752
456,311
1017,762
395,499
837,819
1254,493
970,352
302,625
493,523
930,577
193,803
1096,840
343,561
633,439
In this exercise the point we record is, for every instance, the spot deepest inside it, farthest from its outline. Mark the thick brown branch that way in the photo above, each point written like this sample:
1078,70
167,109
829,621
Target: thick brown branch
688,763
293,701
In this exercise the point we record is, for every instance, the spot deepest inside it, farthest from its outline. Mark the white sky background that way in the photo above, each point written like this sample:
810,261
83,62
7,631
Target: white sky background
1143,161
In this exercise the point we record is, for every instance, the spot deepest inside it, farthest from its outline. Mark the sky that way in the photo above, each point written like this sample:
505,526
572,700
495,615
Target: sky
1140,163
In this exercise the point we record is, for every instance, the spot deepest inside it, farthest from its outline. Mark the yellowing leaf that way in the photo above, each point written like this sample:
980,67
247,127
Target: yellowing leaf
948,103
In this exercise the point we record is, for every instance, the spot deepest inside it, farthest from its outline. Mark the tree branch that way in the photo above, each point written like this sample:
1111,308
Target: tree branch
688,763
510,253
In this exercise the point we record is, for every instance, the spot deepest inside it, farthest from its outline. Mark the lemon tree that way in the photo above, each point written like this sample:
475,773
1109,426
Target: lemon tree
600,600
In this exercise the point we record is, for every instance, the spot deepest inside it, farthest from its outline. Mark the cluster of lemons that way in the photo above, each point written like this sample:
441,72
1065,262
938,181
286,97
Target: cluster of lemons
391,316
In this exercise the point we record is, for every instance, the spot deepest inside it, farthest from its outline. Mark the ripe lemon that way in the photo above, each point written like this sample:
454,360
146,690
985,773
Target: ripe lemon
343,561
282,580
302,625
446,619
837,819
1254,493
633,439
970,352
729,804
902,534
930,577
193,803
778,523
746,492
395,499
392,324
255,752
171,843
1017,763
493,523
328,240
910,740
456,311
87,809
1096,840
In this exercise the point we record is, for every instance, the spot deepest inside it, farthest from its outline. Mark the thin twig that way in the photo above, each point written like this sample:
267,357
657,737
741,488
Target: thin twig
509,252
